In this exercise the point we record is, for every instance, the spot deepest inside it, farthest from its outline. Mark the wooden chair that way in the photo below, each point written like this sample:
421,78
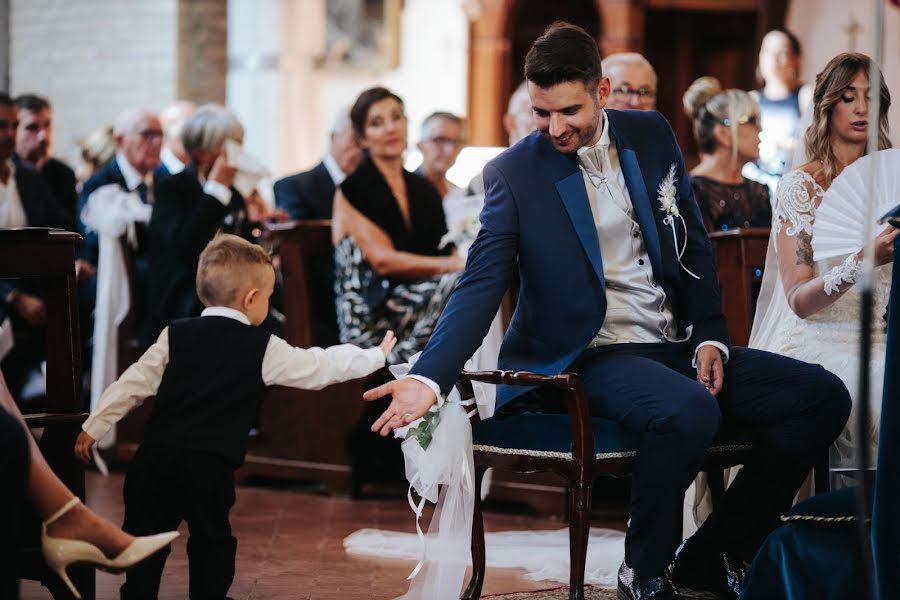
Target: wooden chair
574,446
740,260
50,256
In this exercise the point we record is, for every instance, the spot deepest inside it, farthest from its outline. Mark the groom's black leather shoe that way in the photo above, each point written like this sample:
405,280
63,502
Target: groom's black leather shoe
718,573
637,588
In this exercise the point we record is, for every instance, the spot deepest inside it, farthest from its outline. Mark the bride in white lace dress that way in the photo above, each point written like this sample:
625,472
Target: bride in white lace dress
810,310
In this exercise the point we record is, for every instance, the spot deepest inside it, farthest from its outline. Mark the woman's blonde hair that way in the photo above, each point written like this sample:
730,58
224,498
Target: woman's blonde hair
831,83
708,105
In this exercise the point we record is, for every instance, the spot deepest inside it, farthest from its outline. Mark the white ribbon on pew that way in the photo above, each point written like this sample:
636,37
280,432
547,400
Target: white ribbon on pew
111,212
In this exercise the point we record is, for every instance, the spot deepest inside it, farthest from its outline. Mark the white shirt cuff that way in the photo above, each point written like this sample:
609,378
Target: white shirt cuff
722,348
218,191
434,388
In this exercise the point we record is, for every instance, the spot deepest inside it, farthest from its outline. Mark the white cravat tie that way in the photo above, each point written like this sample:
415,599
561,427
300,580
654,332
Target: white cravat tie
596,163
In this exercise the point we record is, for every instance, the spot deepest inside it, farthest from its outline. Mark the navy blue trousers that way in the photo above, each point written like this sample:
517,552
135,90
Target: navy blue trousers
794,410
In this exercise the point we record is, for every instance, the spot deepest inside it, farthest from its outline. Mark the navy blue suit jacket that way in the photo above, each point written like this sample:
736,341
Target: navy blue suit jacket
307,195
110,173
537,218
41,210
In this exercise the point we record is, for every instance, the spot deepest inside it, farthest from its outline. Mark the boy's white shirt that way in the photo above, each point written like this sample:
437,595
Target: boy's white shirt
283,364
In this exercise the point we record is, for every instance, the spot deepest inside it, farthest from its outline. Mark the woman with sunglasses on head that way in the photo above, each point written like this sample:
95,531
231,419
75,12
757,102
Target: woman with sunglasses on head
726,127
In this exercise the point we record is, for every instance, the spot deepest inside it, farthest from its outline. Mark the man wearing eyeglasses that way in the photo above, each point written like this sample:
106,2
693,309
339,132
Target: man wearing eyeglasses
633,81
139,136
136,168
442,140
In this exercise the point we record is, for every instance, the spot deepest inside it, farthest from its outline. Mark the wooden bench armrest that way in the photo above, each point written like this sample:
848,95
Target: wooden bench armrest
47,419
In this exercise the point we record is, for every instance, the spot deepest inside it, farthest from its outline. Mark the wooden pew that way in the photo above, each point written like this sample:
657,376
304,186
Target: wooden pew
740,259
49,255
304,434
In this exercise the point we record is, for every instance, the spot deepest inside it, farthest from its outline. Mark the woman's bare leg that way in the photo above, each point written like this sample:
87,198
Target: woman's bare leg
48,494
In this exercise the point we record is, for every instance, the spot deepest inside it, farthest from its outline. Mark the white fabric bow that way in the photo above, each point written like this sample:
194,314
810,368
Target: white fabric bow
444,473
111,212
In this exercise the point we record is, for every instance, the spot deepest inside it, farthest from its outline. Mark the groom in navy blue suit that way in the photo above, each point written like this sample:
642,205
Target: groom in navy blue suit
617,283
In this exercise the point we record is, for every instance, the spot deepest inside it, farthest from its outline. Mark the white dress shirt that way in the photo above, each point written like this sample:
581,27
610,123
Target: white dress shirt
283,364
12,213
637,308
172,163
131,175
337,175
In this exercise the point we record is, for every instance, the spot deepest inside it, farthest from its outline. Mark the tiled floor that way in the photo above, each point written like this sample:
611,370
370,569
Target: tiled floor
290,547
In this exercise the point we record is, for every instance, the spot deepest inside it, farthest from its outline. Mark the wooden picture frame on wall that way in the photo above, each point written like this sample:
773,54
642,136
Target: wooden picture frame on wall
361,35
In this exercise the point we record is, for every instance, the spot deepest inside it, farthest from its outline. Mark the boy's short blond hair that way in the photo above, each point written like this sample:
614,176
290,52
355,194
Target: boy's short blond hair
228,265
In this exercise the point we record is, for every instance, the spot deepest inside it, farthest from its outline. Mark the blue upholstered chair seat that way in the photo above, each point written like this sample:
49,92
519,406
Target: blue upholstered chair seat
548,434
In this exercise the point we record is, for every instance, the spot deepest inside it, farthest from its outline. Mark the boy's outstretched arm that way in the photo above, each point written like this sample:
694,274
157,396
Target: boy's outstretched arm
139,382
316,368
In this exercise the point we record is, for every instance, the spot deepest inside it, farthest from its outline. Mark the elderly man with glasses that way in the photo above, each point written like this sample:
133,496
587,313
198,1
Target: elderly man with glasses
442,140
632,80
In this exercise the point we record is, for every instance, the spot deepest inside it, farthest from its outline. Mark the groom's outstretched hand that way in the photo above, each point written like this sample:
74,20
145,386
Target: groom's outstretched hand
710,370
412,399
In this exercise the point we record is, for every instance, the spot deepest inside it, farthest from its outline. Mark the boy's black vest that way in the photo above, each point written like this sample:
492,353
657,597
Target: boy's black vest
211,389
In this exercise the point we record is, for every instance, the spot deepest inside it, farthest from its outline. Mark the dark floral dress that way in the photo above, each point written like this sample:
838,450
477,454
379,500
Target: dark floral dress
727,206
368,305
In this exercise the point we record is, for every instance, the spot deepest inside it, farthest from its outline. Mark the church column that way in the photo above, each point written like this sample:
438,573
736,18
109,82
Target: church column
272,86
621,26
489,84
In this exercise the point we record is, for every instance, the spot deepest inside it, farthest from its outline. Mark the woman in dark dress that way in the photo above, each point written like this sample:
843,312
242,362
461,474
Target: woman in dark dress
726,126
391,269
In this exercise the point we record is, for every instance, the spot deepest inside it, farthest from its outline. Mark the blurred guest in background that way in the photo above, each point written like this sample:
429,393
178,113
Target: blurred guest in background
34,143
518,120
25,201
172,118
782,101
190,208
726,127
97,149
310,195
391,272
442,140
632,81
138,137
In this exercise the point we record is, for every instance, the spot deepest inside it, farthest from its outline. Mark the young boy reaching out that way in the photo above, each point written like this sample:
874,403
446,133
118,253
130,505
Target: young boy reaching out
208,375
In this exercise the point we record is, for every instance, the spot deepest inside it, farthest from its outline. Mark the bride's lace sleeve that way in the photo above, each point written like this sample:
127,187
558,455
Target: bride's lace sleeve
795,205
794,213
792,226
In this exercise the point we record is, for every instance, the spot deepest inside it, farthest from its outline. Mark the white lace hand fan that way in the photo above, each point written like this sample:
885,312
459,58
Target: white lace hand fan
840,228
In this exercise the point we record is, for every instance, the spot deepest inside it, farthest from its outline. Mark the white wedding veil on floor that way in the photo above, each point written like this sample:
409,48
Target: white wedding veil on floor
544,555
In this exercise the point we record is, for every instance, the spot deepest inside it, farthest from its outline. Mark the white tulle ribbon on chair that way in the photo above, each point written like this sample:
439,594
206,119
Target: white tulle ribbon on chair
442,473
443,555
112,213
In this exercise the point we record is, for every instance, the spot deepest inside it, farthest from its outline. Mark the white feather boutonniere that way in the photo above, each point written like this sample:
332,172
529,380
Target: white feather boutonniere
669,206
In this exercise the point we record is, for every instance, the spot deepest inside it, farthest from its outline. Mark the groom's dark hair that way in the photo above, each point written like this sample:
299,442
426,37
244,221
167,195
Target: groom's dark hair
564,52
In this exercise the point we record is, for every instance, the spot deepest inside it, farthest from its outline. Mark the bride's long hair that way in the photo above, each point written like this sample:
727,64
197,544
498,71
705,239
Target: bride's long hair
837,75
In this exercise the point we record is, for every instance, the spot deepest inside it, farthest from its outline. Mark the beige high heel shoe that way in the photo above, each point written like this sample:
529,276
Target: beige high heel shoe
62,552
